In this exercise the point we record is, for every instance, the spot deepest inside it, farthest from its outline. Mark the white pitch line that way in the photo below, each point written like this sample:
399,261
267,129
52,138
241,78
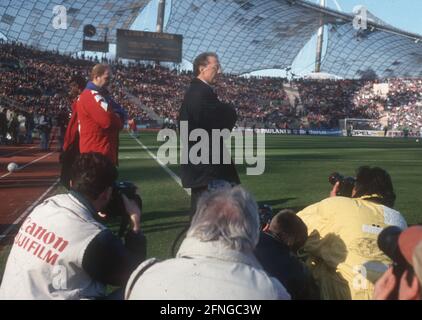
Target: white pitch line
17,152
162,165
27,211
28,164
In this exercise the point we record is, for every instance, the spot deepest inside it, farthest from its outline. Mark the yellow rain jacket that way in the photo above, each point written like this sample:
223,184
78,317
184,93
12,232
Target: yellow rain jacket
342,251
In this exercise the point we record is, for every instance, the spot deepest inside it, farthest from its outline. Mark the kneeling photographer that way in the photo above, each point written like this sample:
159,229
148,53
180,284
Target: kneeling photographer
403,280
63,251
277,252
342,250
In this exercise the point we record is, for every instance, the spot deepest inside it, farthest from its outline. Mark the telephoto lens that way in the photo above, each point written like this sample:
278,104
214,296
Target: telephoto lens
346,184
334,178
388,242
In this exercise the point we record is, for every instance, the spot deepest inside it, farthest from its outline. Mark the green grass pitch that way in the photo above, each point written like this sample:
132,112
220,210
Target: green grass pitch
296,175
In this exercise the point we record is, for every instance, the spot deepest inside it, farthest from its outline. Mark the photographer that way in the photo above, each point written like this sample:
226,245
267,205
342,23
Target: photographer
276,251
61,250
216,259
402,281
342,250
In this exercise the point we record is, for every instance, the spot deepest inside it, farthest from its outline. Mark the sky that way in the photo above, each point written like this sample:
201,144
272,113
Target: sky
403,14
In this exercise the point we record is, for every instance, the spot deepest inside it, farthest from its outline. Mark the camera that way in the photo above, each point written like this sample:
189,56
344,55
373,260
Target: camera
346,184
116,207
265,215
388,242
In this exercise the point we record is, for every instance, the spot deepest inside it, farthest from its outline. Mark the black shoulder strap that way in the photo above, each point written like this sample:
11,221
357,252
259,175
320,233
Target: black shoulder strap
141,271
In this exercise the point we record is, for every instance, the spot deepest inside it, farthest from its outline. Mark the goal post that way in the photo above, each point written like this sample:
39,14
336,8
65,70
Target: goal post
366,128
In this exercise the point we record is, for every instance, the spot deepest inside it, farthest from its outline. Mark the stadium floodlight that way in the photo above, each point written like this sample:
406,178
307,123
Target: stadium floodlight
89,31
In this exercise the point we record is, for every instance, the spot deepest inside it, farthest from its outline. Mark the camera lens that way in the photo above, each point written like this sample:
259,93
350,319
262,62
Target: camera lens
334,177
388,242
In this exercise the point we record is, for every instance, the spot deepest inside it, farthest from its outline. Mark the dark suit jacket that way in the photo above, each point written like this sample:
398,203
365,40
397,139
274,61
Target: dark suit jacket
202,109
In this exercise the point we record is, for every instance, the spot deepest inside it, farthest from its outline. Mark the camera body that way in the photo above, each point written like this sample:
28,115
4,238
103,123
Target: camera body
265,215
346,184
388,243
116,207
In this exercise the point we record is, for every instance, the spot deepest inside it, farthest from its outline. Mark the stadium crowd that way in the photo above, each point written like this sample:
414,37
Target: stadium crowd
162,90
37,82
404,104
326,102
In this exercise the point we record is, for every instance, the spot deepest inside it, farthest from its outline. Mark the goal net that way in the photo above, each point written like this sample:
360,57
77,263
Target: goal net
366,128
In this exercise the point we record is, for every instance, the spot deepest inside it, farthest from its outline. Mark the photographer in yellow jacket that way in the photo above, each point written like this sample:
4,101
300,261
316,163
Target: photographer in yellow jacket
342,251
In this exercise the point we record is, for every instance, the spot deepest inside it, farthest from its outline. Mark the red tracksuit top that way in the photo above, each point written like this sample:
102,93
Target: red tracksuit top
99,126
72,128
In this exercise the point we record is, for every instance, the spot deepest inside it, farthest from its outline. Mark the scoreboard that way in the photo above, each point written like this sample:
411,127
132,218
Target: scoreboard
142,45
96,46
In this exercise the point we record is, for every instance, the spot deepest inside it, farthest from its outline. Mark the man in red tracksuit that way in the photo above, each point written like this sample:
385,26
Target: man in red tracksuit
100,118
71,138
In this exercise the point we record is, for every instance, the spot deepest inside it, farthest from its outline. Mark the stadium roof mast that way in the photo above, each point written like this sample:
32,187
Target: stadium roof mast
160,19
160,15
320,39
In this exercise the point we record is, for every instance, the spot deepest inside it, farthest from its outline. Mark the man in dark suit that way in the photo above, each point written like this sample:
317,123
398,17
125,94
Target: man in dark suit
202,109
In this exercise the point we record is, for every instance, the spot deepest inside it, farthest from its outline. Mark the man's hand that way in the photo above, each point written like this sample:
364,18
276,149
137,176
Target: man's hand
134,213
409,291
385,285
335,189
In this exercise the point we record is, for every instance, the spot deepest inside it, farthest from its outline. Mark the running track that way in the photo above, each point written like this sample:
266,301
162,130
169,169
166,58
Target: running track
21,190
